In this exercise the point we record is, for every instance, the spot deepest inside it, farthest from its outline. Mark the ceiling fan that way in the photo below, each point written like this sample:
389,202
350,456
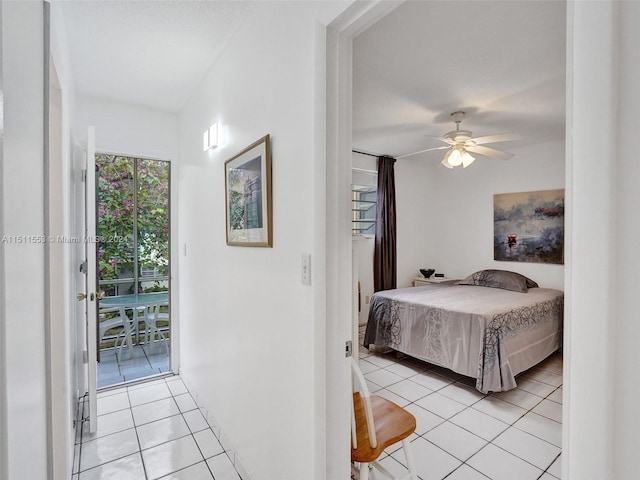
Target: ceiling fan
461,142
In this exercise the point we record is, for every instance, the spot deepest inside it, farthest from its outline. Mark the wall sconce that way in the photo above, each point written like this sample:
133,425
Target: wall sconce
210,138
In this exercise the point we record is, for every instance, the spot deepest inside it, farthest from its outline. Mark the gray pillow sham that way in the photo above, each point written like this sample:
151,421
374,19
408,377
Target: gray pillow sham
500,279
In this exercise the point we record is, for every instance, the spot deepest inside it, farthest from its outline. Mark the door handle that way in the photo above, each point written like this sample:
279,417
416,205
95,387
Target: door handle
92,296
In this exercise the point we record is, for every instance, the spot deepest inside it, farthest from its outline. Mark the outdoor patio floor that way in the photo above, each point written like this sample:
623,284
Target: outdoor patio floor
116,366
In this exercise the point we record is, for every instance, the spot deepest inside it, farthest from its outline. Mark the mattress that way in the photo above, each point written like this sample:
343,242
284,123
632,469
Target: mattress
486,333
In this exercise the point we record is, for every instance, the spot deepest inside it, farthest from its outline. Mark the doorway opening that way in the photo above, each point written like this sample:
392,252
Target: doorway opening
548,377
133,275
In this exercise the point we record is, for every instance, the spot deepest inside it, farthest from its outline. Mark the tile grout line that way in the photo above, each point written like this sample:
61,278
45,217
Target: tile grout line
547,469
467,406
191,433
135,429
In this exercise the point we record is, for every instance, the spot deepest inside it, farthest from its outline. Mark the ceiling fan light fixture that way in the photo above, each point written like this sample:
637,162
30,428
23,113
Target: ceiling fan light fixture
460,142
455,157
445,159
445,163
467,159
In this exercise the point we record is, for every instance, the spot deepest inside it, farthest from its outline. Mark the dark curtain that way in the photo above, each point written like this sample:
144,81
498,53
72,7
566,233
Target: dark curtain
384,257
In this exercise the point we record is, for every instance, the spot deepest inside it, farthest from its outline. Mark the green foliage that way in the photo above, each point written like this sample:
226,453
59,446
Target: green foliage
116,211
236,200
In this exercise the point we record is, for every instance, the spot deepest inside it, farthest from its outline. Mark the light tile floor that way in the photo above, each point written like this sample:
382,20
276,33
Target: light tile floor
155,430
117,366
149,431
463,434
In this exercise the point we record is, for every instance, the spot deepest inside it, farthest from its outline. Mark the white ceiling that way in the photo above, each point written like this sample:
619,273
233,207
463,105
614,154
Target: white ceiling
501,62
150,53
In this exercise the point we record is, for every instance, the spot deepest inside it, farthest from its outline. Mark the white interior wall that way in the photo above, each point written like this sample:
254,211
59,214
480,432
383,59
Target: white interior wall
363,251
127,129
627,179
66,357
364,245
24,377
418,222
445,217
59,293
3,357
247,321
602,334
72,198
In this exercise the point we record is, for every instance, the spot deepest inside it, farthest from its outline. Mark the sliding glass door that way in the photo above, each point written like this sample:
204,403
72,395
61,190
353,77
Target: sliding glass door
134,329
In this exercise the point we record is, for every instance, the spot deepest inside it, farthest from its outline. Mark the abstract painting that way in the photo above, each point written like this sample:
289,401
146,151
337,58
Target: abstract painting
529,226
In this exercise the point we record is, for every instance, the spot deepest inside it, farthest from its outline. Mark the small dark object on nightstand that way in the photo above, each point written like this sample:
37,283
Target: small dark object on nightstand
427,272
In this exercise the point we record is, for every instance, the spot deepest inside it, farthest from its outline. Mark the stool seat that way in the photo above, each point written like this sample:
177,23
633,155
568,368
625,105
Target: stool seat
377,423
392,424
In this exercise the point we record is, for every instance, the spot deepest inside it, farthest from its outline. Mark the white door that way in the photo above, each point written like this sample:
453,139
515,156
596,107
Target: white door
91,278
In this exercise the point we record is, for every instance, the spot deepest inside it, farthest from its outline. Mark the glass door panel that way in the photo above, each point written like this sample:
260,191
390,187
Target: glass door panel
133,268
115,220
153,225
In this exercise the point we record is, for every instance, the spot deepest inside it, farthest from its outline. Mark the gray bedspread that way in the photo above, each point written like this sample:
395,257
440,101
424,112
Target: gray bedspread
486,333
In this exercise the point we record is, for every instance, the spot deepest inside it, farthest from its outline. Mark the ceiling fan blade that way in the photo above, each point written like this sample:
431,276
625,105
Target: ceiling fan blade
442,139
422,151
503,137
489,152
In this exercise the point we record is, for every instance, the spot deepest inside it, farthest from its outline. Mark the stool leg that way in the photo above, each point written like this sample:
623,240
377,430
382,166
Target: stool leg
406,446
364,471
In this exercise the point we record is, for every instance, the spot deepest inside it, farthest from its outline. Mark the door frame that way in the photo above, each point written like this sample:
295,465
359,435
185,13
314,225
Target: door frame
78,220
173,252
173,327
339,96
91,259
339,299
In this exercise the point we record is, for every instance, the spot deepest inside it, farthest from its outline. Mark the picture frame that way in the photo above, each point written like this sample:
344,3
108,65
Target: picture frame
529,226
248,196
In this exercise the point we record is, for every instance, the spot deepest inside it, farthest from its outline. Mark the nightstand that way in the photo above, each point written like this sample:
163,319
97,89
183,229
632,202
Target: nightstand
418,281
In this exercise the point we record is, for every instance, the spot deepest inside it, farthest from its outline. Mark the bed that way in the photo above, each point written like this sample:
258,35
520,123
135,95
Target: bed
488,326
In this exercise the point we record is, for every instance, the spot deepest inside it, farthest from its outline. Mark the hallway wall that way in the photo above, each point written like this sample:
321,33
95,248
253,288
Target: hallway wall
249,344
22,274
66,356
127,129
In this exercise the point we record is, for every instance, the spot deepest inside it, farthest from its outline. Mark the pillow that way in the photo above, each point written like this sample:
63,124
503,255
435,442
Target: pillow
500,279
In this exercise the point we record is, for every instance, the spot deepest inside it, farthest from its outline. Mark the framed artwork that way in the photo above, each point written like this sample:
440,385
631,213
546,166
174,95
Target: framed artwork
248,196
529,226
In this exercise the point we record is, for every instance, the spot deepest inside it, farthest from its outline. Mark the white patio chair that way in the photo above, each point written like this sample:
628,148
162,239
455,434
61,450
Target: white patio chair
151,318
120,319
